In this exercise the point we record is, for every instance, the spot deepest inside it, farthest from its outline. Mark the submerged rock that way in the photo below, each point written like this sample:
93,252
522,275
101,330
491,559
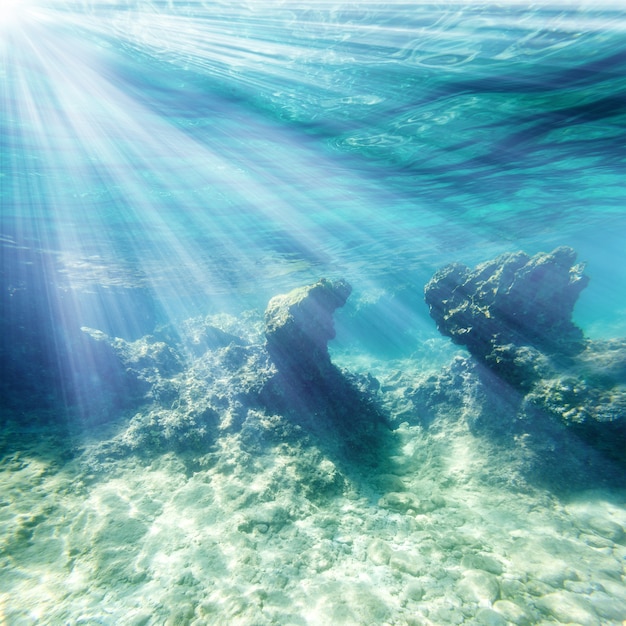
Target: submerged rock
307,386
188,396
478,586
299,324
588,396
144,358
507,309
215,377
533,378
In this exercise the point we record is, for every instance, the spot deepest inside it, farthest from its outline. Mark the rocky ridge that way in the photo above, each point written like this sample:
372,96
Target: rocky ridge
531,381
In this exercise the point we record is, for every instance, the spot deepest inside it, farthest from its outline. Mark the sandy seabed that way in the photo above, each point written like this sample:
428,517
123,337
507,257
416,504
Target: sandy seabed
275,532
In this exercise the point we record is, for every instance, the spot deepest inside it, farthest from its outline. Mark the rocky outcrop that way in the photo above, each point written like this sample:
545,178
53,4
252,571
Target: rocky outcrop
214,377
307,386
299,325
511,311
533,370
197,380
534,432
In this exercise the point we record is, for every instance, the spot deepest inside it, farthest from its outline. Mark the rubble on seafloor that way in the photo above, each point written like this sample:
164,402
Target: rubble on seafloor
240,487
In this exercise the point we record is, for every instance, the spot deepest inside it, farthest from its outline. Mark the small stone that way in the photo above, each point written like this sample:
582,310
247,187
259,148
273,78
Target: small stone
322,565
414,591
406,562
488,617
399,501
438,501
511,587
606,528
379,552
608,607
581,587
445,615
183,614
345,540
478,586
482,562
537,588
512,612
611,566
615,588
596,541
426,506
389,482
568,608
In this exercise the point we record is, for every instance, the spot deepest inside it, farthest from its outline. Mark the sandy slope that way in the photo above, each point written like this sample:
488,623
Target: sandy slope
274,531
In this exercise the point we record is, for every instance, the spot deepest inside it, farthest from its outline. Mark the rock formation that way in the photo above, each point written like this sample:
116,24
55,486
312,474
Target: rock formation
509,311
221,376
533,369
337,406
299,324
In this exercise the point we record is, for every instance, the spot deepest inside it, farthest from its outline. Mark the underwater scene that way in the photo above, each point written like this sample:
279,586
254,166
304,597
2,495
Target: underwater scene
312,313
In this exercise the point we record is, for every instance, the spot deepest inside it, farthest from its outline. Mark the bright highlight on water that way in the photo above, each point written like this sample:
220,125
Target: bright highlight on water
312,313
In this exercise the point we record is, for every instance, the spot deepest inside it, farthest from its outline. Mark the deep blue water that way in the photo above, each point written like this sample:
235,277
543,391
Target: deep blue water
164,160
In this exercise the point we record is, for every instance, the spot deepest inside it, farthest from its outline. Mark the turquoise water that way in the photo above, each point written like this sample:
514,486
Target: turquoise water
162,162
227,151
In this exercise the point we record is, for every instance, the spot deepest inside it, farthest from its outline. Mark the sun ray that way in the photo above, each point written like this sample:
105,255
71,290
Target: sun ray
194,213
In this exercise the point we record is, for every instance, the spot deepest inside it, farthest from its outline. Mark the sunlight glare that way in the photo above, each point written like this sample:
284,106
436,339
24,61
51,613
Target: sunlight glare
10,12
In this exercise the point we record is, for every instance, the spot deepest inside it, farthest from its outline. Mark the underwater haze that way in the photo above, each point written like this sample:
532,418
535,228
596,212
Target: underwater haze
312,313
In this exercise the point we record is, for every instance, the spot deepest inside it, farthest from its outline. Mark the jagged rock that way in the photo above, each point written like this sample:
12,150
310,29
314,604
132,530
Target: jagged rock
145,359
307,386
299,324
534,377
213,377
506,309
162,430
588,396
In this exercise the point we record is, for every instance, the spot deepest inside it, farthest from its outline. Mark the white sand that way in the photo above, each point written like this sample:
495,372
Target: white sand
280,536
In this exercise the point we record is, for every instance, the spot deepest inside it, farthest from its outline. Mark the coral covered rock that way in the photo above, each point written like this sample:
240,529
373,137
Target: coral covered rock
588,396
216,377
333,404
534,377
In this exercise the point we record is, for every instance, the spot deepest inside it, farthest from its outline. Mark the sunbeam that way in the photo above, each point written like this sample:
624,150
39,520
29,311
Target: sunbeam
173,184
197,218
312,313
10,12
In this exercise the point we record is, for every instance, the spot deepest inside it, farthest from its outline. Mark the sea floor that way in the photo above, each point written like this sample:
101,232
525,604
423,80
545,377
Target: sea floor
275,532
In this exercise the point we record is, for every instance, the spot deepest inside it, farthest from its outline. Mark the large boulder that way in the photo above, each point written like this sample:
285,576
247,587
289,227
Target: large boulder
506,309
299,324
513,314
333,405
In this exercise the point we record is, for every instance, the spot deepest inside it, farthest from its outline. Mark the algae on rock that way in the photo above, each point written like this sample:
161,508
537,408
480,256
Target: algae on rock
533,376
